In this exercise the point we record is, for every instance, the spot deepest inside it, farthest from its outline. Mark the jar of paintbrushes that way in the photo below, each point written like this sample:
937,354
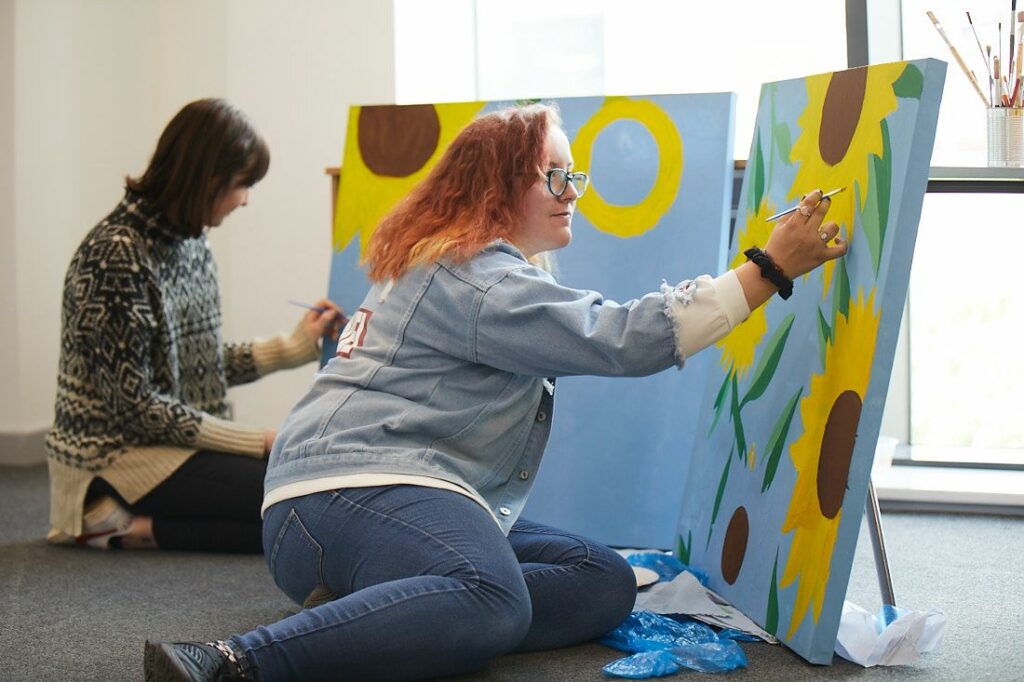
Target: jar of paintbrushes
1005,131
1004,99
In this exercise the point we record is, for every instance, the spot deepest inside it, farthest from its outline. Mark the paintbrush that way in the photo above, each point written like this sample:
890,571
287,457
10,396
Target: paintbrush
988,67
1013,30
984,59
976,39
1020,51
959,59
793,209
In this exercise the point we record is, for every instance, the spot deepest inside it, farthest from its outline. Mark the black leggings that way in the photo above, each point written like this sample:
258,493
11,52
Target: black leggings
210,504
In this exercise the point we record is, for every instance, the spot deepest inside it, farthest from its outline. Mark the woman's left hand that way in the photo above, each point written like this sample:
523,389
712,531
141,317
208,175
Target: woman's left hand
327,323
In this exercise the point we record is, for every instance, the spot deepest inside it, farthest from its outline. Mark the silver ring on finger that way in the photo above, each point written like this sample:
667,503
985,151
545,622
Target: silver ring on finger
805,211
824,236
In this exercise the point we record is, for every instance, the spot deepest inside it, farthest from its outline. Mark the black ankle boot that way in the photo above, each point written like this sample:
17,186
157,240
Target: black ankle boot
191,662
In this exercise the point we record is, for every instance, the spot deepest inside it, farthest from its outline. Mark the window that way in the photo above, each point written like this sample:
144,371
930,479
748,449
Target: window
535,48
957,381
966,372
963,390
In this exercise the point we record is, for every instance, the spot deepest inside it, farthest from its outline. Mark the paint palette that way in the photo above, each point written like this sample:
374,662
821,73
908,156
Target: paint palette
644,576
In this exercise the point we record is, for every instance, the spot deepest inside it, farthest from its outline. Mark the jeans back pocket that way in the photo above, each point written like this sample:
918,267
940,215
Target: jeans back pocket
296,560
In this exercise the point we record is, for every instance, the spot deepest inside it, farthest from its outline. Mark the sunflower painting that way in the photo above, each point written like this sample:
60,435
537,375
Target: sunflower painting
841,133
738,348
778,478
822,456
657,209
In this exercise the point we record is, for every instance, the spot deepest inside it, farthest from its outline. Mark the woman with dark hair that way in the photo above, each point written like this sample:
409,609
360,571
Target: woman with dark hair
141,454
395,486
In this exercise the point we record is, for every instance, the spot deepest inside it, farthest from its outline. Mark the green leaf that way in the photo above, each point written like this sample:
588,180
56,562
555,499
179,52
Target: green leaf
883,168
783,142
771,619
869,215
910,83
824,336
841,295
737,422
875,212
777,441
769,361
719,401
718,496
683,548
758,172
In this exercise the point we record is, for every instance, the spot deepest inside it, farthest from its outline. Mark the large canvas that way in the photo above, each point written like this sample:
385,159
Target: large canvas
657,209
779,476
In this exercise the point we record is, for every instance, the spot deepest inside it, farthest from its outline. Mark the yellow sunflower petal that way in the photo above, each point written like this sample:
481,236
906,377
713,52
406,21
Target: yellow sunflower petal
815,513
740,345
833,149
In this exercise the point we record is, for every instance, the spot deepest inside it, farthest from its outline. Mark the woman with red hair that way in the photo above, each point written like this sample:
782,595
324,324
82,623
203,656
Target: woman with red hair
394,488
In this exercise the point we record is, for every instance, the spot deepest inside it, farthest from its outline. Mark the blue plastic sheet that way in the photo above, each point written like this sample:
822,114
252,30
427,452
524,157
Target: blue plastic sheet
665,565
643,665
888,614
648,631
670,644
711,657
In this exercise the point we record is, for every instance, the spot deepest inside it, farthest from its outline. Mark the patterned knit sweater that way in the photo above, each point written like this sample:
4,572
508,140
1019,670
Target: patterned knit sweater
143,370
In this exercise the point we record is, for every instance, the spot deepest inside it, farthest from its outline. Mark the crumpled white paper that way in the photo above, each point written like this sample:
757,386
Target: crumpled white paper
684,594
865,639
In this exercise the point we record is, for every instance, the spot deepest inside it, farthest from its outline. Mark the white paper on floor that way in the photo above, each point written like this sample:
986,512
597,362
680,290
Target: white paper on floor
864,639
684,594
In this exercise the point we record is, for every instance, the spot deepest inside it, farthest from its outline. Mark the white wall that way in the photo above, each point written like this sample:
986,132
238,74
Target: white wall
8,280
295,71
86,86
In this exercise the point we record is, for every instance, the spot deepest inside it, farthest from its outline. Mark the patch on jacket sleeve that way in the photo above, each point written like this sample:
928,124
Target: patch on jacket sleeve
354,333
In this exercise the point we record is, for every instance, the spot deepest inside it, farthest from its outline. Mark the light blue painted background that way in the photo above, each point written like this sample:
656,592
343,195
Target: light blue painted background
616,462
912,130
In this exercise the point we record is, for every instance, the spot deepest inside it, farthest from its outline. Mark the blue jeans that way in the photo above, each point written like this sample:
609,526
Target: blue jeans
406,582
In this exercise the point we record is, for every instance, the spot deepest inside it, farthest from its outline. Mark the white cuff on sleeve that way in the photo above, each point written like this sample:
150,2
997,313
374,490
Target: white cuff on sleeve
703,310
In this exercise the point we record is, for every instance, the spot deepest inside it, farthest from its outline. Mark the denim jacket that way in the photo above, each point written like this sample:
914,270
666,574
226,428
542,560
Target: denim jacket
448,372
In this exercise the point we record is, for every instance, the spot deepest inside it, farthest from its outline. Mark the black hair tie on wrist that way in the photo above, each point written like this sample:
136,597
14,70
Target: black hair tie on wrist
770,271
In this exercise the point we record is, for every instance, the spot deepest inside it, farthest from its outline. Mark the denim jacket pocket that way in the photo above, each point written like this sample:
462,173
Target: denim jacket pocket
296,560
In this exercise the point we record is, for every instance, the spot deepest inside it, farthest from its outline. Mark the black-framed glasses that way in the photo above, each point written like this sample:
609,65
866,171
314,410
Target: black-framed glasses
559,179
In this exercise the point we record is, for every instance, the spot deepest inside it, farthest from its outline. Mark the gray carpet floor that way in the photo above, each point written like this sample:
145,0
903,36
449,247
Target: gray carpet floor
74,614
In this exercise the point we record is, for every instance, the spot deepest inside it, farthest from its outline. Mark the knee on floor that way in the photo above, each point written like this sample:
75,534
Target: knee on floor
620,594
501,633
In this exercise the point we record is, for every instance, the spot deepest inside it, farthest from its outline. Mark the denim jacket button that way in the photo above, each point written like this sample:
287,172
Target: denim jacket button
524,474
504,511
542,415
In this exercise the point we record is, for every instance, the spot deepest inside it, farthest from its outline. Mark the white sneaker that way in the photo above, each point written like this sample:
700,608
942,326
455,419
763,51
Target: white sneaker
104,519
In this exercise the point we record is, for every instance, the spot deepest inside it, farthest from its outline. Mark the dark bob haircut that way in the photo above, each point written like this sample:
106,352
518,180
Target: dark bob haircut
207,144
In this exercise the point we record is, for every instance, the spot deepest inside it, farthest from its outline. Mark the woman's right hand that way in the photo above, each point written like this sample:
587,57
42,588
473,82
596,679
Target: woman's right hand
325,319
800,242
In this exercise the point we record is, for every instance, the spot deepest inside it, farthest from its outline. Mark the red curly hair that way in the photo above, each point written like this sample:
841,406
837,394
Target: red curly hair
475,194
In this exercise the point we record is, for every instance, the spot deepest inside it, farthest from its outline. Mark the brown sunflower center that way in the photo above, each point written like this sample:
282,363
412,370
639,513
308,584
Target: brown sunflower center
734,547
840,113
837,452
397,141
